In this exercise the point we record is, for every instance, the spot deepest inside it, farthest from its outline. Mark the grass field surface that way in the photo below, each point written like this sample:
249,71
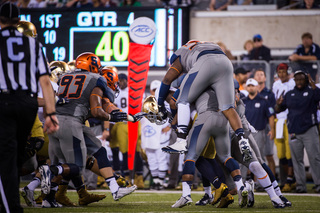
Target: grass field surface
161,201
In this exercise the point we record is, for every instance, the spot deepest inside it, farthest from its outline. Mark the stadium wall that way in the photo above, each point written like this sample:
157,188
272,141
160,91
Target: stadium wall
279,29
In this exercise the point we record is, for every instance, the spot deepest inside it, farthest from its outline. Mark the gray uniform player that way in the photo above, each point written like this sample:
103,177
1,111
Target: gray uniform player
256,164
205,65
84,91
210,123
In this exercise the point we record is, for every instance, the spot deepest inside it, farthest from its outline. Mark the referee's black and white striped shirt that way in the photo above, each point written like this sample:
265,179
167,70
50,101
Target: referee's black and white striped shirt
22,61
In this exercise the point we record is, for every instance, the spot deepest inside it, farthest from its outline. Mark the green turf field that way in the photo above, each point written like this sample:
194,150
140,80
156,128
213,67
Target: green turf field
144,201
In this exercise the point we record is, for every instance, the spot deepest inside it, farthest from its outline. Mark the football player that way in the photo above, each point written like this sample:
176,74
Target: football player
119,137
205,65
85,90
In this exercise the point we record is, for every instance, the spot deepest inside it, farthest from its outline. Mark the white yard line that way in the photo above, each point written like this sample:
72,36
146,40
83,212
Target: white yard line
192,192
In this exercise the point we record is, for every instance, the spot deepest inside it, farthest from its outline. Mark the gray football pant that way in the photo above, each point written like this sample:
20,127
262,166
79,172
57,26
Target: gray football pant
72,142
214,70
310,141
209,124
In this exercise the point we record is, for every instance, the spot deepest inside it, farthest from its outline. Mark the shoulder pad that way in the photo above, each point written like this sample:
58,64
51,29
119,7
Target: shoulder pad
173,58
107,92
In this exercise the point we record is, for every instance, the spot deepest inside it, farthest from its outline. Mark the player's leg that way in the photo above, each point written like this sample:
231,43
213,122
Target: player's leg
197,140
311,144
256,168
114,145
102,166
138,163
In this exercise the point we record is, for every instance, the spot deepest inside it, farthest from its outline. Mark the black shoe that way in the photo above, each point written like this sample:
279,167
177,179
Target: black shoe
278,205
204,200
301,191
286,202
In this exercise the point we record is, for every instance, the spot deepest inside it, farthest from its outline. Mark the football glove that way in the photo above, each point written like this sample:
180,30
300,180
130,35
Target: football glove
61,100
138,116
117,116
163,113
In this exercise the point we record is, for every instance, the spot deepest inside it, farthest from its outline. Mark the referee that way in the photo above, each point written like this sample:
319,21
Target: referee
22,66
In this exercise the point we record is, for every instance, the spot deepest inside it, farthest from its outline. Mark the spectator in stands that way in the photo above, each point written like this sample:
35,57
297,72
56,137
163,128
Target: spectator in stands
248,46
97,3
241,75
109,3
79,4
23,3
310,4
280,88
135,3
302,104
219,5
307,51
260,51
37,4
226,50
260,77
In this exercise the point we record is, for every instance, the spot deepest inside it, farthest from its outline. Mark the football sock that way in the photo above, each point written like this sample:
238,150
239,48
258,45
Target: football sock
112,183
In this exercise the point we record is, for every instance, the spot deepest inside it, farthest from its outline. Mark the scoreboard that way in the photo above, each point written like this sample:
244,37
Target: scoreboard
66,33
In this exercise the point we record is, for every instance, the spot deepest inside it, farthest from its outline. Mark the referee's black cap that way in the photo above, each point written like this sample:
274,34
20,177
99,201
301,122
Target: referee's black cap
9,10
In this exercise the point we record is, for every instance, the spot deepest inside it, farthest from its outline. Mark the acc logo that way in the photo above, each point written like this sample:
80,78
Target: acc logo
257,105
142,30
148,131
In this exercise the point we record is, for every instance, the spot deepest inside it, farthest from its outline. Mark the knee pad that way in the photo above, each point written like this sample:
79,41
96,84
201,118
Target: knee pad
189,168
102,159
90,162
290,162
256,168
231,164
283,161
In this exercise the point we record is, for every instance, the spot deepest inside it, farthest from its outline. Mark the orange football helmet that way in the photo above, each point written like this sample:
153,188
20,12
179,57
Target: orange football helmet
112,78
88,61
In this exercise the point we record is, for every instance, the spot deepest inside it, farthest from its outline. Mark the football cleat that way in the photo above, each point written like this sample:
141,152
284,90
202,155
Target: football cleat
250,186
243,196
183,201
226,201
286,202
49,201
85,198
138,181
27,194
40,198
122,192
245,149
219,193
61,196
45,178
278,205
50,204
286,188
121,181
206,199
180,146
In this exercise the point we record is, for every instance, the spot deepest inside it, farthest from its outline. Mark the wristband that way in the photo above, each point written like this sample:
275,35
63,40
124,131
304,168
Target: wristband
107,129
52,113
